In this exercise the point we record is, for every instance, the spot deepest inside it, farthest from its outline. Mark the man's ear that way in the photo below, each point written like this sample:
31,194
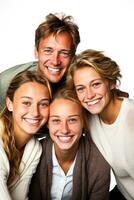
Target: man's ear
36,53
9,104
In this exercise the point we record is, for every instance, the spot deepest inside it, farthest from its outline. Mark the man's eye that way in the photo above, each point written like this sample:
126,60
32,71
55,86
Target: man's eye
26,103
64,54
48,51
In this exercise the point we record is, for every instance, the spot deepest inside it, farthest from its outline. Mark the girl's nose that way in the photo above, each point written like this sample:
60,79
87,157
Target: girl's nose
64,128
90,93
34,110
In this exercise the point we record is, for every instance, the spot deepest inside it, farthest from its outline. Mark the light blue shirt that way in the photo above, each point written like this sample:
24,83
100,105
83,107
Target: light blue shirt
62,185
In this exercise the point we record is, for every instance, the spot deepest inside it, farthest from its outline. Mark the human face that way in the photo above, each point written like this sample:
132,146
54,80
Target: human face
30,108
93,92
65,124
54,56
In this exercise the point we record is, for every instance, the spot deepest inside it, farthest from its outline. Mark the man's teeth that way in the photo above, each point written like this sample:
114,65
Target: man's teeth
54,69
93,102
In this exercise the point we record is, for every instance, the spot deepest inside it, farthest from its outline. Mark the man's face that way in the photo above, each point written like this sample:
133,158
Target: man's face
54,56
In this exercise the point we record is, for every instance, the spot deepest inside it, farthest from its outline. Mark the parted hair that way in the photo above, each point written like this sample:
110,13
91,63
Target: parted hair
13,154
55,24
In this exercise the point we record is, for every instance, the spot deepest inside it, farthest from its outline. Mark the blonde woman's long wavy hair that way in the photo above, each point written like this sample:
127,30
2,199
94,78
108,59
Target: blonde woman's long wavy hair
13,154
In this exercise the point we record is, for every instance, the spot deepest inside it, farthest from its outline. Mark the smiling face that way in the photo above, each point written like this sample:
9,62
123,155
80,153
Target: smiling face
30,108
93,92
54,56
65,124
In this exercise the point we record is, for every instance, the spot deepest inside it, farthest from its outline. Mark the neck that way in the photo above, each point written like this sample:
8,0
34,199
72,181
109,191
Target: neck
111,112
21,141
66,157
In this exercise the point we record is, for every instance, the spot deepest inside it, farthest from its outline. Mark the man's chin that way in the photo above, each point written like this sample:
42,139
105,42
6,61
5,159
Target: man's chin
54,79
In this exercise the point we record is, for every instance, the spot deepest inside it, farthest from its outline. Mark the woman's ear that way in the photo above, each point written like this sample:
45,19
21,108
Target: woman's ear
9,104
112,86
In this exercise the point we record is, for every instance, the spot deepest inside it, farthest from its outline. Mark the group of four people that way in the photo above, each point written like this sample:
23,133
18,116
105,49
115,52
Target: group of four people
90,125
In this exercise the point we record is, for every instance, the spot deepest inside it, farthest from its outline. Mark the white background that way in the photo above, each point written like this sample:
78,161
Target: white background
104,25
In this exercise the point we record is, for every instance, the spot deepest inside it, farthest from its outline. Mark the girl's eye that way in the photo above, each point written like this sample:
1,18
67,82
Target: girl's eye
80,89
72,120
44,104
55,121
96,85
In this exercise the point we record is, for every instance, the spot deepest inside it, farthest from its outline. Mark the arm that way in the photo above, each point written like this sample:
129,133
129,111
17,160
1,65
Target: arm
4,193
41,181
34,189
99,176
28,165
4,172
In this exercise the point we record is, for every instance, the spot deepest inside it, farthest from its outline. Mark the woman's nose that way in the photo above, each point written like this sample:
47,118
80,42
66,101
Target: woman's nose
64,128
90,93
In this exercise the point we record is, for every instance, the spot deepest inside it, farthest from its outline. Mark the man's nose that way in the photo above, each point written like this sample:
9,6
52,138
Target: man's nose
55,58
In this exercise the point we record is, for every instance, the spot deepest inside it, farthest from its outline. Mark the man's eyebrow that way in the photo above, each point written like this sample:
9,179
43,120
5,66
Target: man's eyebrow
26,97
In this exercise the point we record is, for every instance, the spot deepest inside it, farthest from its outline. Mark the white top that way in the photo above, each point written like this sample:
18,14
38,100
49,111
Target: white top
116,143
62,184
19,188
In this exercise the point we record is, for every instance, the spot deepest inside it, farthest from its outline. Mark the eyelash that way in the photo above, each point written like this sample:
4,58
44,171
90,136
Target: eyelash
73,120
94,85
61,53
27,103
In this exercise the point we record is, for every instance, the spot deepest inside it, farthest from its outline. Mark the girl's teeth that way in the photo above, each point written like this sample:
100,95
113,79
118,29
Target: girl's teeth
93,102
64,138
32,121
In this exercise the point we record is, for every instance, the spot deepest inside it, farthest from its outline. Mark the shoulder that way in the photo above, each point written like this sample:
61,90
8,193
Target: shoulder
4,162
99,175
46,148
46,143
18,68
34,144
1,128
127,109
96,156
